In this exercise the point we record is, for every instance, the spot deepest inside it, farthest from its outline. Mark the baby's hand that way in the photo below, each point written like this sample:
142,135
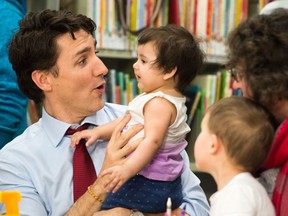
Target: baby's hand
89,135
118,175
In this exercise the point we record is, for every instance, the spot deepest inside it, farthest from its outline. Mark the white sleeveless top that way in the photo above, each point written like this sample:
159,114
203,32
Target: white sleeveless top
167,164
176,131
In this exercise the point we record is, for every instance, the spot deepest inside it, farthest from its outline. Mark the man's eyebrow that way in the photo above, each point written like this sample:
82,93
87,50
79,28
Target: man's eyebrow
86,49
80,52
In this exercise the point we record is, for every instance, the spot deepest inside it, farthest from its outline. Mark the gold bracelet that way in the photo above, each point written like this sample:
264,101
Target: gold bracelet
94,195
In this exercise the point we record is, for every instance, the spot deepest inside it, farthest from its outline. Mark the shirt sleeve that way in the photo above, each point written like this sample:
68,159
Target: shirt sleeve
14,178
195,201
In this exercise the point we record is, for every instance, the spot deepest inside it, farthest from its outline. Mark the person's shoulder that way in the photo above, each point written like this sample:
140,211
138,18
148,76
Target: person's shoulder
245,183
245,178
114,106
115,109
22,141
17,8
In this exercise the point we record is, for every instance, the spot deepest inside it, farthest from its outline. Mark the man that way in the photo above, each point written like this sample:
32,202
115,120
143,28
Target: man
54,57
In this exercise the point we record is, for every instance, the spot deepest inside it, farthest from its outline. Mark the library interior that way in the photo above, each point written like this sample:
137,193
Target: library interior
119,22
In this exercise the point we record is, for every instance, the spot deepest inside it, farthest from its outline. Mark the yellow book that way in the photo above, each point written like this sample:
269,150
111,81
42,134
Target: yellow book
218,88
133,15
194,107
102,22
238,12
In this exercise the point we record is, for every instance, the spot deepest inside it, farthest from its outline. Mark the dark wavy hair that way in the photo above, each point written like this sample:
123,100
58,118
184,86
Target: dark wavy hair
34,46
259,47
175,47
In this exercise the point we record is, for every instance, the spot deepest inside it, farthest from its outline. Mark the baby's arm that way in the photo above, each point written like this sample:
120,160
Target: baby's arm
100,132
159,114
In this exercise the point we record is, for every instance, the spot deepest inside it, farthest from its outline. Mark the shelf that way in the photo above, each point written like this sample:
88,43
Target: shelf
215,59
117,54
129,54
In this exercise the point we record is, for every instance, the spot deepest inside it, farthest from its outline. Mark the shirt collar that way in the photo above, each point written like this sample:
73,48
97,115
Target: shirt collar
55,129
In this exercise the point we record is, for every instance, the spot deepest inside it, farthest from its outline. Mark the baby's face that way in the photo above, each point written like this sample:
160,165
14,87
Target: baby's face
150,78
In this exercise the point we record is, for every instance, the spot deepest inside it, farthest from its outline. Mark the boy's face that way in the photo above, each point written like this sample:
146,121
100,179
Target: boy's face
202,144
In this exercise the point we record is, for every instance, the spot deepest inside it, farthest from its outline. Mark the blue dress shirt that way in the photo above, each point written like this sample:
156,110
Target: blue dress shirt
38,163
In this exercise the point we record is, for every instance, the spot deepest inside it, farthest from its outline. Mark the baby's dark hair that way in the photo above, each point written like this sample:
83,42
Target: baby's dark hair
177,48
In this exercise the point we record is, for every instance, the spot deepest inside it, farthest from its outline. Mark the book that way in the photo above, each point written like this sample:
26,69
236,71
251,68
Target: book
193,134
194,107
190,94
174,13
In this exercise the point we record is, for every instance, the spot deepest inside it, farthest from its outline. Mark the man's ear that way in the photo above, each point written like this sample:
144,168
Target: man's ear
42,80
170,74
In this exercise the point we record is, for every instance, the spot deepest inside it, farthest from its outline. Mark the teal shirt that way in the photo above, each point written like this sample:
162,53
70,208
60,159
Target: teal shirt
13,104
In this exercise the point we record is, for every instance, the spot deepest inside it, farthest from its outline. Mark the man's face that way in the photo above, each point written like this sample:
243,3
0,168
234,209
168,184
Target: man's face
78,89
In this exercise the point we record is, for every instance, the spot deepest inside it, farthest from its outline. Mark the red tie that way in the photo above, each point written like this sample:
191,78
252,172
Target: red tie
84,173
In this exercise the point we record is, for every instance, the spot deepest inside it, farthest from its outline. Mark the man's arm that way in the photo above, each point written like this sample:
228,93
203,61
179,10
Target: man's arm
195,201
117,150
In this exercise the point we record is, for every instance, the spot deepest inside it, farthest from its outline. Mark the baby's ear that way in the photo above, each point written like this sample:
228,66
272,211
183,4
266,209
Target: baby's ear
170,74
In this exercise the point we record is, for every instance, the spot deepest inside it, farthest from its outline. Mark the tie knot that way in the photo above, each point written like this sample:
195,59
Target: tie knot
71,131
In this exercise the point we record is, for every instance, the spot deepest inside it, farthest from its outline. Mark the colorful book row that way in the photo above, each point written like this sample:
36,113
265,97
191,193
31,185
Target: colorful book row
121,88
119,21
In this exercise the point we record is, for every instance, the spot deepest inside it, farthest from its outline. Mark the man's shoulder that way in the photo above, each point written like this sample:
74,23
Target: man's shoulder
116,110
21,142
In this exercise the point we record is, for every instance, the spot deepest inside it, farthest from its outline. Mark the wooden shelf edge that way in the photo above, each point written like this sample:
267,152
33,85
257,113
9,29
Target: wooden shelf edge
117,54
129,54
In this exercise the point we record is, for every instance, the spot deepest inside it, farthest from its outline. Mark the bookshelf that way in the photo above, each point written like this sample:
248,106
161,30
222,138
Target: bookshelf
33,5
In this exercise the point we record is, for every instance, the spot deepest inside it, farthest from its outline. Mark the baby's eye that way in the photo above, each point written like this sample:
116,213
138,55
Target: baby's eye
97,51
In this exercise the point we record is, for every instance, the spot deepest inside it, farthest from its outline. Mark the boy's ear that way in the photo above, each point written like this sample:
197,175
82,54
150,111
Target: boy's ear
215,144
42,80
170,74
